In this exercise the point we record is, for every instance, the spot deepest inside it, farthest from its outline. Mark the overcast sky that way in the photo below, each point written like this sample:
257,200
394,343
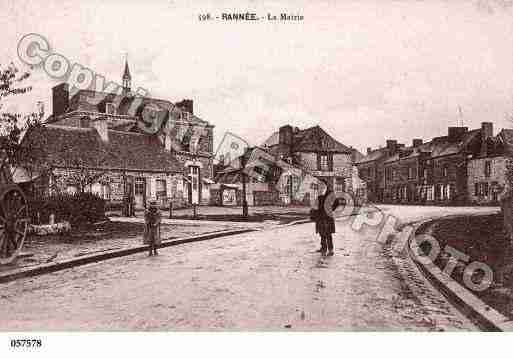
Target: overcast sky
365,71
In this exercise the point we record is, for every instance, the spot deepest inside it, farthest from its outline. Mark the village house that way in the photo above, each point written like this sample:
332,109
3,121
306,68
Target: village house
96,134
487,172
317,152
297,165
370,170
269,181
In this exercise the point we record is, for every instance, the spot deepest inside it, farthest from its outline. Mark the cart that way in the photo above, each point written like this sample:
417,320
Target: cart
14,217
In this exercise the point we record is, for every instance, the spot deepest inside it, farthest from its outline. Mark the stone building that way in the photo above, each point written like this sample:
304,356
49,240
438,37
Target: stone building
433,172
316,152
487,171
108,133
370,170
269,180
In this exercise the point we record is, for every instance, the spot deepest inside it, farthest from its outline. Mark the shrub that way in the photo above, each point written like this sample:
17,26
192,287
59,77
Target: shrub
74,208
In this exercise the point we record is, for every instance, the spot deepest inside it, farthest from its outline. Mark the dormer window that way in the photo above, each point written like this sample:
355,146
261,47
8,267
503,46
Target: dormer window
110,108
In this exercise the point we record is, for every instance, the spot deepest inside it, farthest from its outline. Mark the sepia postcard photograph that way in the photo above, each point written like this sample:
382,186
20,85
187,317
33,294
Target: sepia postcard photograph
293,168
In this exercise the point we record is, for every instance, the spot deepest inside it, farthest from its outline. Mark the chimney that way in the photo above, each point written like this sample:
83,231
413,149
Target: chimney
101,127
285,135
486,133
454,133
392,146
417,142
369,150
60,99
186,105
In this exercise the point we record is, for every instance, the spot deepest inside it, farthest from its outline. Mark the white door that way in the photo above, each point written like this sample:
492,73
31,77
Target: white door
195,190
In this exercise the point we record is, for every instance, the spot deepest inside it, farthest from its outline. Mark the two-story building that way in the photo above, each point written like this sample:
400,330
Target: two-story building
104,133
370,170
487,172
315,151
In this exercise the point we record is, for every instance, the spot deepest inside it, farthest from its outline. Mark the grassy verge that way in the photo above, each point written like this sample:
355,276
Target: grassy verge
482,239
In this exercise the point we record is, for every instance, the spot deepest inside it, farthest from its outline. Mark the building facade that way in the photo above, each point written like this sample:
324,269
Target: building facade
141,147
440,171
315,151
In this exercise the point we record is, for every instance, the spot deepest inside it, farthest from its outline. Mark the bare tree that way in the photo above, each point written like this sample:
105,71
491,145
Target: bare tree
13,125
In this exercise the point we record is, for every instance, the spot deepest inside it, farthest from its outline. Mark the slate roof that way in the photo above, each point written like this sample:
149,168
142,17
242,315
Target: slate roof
94,101
506,139
64,146
373,155
313,139
437,147
356,155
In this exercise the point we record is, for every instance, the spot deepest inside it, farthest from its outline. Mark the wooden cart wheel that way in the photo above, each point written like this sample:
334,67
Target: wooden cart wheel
14,221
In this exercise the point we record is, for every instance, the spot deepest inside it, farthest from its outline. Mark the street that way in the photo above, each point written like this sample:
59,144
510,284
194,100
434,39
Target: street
265,280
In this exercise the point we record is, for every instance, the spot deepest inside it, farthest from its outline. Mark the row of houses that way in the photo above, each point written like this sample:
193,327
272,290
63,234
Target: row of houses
93,141
463,167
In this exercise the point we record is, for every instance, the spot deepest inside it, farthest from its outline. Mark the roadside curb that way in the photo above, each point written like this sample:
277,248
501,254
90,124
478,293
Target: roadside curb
9,276
465,300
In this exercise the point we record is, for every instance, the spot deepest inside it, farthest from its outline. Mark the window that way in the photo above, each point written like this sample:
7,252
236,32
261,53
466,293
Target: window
445,171
323,162
430,191
140,186
107,192
485,188
184,115
476,189
339,184
161,190
388,174
448,191
411,173
425,173
488,169
110,108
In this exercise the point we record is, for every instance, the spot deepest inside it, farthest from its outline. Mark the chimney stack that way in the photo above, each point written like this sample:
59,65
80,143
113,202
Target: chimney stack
186,105
417,142
285,135
60,99
392,146
454,134
486,133
101,127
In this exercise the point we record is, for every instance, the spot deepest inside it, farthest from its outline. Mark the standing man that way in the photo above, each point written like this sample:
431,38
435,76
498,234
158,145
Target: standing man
324,222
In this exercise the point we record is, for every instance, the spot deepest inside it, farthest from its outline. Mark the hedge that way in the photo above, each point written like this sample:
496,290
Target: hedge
74,208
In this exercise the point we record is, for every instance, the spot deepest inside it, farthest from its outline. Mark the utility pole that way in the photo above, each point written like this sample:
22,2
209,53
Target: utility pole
243,162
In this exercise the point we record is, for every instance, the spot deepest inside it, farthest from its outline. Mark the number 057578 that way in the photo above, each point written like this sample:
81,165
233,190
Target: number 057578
26,343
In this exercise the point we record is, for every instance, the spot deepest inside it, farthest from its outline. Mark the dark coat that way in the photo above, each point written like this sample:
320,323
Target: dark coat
152,219
324,223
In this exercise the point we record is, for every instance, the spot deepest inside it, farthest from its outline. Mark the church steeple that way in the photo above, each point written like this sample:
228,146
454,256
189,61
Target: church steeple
126,79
